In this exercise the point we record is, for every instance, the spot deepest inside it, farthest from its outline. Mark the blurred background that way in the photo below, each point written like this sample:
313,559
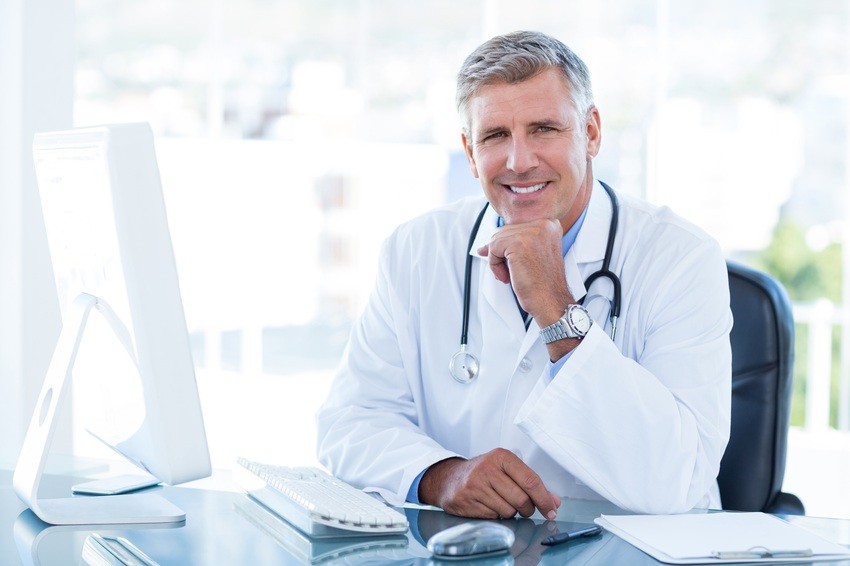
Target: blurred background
294,135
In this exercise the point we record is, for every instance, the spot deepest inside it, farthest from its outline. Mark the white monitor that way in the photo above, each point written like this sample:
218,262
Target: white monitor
111,252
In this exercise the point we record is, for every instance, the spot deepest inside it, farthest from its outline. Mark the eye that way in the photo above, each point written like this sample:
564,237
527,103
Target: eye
494,136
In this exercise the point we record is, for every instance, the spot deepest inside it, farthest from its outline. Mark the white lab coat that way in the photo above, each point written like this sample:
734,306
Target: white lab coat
642,421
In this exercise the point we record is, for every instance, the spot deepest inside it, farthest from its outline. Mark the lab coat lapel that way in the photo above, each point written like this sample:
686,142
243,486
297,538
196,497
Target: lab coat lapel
589,252
497,295
589,246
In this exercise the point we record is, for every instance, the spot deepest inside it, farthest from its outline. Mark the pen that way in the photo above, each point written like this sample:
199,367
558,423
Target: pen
588,531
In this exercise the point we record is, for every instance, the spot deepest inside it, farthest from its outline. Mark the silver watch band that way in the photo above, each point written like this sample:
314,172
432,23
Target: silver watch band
565,327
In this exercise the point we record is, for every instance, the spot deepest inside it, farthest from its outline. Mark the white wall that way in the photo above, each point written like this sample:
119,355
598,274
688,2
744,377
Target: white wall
36,94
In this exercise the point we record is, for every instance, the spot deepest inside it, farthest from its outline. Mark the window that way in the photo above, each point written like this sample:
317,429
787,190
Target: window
295,135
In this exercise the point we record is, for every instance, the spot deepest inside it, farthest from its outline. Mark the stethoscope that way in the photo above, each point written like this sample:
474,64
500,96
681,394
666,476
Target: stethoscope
463,365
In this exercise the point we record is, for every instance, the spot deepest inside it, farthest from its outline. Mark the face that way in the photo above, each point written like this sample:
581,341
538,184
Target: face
531,149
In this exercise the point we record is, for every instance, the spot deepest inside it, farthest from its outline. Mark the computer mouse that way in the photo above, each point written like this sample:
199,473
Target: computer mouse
471,540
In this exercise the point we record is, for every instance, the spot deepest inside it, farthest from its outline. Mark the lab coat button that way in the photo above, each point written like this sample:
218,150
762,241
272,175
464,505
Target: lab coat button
525,365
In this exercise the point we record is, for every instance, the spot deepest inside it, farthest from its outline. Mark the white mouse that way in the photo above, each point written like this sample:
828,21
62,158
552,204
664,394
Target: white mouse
473,540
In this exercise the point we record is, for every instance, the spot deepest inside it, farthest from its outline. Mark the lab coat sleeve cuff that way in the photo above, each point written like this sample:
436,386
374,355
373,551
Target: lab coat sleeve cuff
525,412
527,418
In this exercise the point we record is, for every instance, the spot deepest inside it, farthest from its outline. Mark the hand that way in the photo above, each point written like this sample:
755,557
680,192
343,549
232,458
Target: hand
492,485
529,257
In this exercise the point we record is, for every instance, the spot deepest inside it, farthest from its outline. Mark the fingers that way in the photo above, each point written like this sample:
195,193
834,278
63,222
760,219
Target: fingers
556,501
532,487
494,485
498,264
476,491
526,254
490,508
515,498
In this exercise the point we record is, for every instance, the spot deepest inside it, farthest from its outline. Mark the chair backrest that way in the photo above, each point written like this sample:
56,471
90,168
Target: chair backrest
762,338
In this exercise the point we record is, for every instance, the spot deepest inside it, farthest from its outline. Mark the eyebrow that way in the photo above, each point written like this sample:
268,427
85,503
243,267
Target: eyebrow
550,122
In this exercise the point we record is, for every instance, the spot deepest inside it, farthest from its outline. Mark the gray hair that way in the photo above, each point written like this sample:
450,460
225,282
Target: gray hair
518,56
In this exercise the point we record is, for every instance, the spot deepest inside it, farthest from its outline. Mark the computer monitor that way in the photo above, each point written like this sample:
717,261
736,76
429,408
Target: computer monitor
111,253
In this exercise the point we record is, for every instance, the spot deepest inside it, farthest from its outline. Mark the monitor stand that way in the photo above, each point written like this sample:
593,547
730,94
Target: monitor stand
96,510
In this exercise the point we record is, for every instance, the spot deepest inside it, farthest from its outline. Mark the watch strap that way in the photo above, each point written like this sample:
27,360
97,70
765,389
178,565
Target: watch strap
564,328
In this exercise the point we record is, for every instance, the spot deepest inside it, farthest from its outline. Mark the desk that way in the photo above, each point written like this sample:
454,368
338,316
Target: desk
217,531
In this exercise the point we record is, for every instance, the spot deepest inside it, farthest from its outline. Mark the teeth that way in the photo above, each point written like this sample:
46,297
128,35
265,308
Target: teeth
526,190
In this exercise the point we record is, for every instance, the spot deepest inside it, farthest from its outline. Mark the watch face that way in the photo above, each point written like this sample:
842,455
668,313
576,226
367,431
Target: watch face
579,319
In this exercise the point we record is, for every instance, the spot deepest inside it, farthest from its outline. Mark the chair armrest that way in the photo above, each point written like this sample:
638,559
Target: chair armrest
786,504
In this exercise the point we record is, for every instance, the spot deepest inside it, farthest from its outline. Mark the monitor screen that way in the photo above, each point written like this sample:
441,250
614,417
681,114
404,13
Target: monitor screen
108,237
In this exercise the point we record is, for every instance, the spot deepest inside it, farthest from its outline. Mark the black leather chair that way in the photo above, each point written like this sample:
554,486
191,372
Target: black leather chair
753,466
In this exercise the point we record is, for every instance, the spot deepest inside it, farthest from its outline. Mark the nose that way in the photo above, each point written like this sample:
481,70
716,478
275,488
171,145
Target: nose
522,156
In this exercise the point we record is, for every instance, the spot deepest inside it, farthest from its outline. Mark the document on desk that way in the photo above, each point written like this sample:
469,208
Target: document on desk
724,537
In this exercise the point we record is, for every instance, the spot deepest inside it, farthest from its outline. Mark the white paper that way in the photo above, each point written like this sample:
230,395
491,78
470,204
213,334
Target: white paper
694,538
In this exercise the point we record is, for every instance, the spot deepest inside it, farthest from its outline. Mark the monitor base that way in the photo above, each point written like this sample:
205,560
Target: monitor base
108,510
115,485
97,510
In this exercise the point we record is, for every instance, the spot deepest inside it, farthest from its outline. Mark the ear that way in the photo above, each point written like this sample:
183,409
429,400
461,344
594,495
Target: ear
467,147
594,132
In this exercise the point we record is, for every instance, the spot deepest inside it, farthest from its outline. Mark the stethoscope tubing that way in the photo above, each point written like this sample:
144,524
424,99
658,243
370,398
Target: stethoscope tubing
467,276
463,365
606,261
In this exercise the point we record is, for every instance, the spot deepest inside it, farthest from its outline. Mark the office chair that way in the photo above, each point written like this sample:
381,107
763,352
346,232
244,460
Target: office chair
762,338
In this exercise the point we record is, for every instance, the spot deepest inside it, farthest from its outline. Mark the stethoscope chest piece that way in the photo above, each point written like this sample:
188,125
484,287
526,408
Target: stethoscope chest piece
463,366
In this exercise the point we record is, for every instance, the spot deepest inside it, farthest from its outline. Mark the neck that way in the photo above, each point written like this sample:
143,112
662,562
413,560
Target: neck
582,198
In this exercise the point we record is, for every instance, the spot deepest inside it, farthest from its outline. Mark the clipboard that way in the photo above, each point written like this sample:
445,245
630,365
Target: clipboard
721,538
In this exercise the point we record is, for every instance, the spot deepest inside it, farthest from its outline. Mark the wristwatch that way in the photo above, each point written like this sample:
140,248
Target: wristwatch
574,324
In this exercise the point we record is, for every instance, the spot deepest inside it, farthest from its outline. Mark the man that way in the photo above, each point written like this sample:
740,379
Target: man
557,408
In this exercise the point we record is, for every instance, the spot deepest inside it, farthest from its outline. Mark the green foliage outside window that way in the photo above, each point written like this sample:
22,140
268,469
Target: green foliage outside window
807,275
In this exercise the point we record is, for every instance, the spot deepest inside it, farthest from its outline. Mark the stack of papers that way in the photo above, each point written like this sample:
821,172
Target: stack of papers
716,538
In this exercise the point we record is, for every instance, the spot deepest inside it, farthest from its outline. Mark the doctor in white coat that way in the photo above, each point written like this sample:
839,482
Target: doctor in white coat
556,408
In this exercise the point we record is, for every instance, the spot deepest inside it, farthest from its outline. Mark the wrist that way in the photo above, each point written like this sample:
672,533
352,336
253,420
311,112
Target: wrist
553,310
561,348
435,476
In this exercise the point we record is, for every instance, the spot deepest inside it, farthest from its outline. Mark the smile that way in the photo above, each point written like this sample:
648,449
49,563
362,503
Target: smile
526,190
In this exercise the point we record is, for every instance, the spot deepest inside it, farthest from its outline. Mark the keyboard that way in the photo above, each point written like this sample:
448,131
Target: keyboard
317,503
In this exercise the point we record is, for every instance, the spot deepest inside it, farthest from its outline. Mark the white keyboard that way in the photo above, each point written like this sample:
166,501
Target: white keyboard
317,503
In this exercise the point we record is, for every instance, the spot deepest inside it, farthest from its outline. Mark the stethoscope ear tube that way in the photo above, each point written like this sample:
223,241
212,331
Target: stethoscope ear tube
615,303
615,281
606,262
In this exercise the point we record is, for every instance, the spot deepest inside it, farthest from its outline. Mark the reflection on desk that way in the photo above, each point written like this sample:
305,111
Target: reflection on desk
604,549
41,543
320,550
222,528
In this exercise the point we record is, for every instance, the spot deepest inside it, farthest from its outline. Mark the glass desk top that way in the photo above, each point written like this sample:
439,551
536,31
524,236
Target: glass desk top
222,527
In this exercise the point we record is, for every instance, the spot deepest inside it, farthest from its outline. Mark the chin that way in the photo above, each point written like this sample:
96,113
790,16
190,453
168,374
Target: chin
514,216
